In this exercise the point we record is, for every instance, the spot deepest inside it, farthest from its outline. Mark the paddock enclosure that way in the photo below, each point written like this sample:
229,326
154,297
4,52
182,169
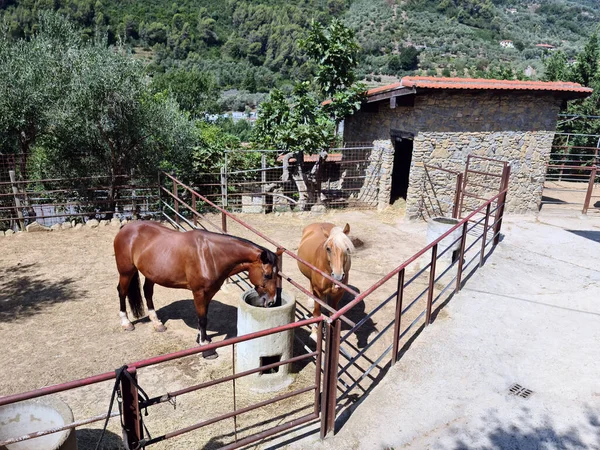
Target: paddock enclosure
59,323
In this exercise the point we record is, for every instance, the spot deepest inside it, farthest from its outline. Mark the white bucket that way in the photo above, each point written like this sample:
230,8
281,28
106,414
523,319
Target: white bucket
19,419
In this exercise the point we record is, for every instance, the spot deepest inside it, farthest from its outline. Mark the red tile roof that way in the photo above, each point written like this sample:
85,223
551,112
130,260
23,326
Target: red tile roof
481,84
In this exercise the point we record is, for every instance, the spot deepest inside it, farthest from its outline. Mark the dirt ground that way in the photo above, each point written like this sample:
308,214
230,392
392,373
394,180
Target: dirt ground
568,196
59,322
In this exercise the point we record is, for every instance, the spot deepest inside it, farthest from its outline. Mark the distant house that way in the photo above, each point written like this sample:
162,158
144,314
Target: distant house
511,10
507,44
545,46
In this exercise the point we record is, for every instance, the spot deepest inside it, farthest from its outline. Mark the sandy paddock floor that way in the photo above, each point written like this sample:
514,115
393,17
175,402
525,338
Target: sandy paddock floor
59,322
569,196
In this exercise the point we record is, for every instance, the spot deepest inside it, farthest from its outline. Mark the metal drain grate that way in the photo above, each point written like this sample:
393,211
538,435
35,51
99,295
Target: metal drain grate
520,391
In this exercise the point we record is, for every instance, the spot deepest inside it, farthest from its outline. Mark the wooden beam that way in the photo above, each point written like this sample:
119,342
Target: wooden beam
389,94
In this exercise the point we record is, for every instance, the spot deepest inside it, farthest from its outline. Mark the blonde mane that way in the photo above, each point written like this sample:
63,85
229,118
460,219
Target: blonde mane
338,238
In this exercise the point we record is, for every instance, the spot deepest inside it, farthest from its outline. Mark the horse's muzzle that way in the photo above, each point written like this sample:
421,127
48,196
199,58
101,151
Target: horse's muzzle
267,302
337,277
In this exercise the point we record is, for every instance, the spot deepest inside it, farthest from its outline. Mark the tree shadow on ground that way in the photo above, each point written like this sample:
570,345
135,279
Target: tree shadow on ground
87,439
222,318
533,436
24,292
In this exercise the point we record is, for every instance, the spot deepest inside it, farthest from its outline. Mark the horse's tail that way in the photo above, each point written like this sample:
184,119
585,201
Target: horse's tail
134,295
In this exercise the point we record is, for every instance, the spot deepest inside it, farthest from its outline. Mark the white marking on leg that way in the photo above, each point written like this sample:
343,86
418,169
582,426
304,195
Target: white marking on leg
313,333
124,319
153,317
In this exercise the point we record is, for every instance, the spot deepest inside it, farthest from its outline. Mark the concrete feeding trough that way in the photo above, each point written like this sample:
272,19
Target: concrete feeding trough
20,419
436,227
267,349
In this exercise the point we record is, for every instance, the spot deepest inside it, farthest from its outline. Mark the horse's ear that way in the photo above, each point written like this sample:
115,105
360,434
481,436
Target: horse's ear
347,229
280,251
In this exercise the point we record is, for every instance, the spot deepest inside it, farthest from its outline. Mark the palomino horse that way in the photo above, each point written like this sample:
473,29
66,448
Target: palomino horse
197,260
328,248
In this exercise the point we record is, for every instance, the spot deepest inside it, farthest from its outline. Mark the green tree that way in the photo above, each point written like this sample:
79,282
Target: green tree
587,62
195,91
556,68
34,78
303,123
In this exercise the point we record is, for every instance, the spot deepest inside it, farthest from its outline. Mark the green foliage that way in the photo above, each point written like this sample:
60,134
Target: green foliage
556,67
335,51
297,124
195,91
34,81
86,107
585,70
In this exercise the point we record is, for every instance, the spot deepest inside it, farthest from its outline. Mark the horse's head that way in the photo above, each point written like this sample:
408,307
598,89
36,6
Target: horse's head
263,275
338,247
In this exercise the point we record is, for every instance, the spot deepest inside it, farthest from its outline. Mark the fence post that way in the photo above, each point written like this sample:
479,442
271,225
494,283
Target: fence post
132,419
223,188
398,316
194,210
501,203
485,230
160,203
328,397
431,283
588,195
457,196
224,222
461,257
13,180
175,202
279,279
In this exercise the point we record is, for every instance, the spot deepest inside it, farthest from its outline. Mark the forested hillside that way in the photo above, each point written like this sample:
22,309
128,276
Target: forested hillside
250,46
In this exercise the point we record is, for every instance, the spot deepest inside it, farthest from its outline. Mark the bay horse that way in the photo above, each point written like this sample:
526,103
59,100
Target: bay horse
197,260
328,248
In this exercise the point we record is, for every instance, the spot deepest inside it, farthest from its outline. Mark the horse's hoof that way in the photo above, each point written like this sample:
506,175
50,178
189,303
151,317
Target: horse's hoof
128,327
160,328
210,354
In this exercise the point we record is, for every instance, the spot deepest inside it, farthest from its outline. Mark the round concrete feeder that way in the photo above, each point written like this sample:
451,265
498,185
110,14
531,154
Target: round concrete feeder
436,227
27,417
267,349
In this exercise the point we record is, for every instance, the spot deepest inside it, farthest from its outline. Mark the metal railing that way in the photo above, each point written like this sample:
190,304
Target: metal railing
186,209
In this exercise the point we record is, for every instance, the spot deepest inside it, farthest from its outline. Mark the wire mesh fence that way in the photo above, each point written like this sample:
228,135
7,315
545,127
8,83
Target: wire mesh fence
280,184
58,200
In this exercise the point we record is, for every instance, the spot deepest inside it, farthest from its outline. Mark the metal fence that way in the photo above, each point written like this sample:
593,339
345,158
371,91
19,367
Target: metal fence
340,183
413,294
572,175
56,200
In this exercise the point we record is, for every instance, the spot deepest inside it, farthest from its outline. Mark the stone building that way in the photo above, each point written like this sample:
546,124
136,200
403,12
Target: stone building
423,121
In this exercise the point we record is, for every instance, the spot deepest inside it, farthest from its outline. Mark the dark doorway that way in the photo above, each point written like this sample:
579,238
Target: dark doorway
403,149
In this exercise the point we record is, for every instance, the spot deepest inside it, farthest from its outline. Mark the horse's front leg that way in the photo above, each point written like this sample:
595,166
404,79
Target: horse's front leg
148,293
201,301
316,313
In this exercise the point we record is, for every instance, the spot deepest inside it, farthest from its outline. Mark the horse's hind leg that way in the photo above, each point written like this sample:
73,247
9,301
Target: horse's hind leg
148,293
122,287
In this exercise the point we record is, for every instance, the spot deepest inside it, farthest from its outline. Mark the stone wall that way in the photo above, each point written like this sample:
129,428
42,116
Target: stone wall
447,126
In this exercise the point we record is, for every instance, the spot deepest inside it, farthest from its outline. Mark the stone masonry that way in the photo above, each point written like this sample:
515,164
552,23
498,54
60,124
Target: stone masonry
449,125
